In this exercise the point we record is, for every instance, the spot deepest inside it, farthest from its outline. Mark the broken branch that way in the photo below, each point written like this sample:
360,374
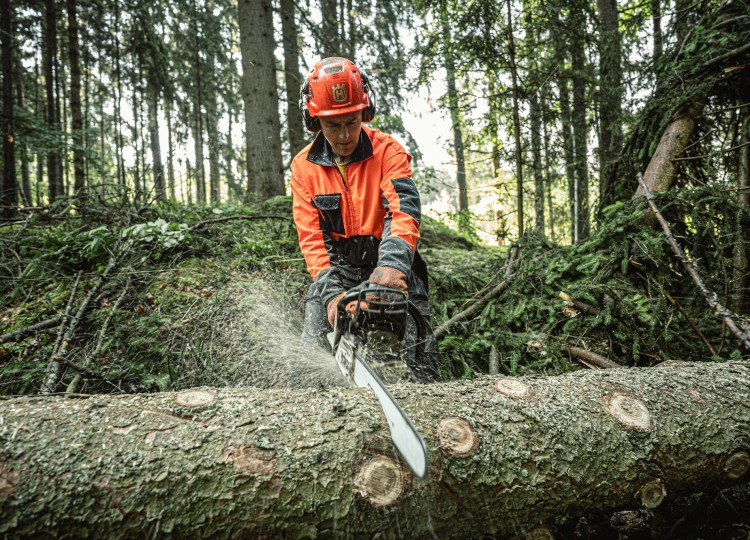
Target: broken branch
711,298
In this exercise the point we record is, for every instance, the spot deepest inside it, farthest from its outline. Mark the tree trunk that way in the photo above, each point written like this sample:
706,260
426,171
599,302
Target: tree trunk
516,122
292,77
508,457
569,153
580,125
454,109
662,167
170,149
214,152
200,177
76,114
549,176
23,147
119,143
330,34
536,161
50,53
610,103
741,275
153,132
8,182
139,191
658,39
262,124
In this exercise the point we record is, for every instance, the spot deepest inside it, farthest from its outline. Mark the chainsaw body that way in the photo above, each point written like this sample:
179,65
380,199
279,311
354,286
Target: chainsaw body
367,347
377,329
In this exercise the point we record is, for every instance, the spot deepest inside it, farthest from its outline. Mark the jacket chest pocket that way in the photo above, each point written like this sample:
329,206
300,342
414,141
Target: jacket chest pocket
330,208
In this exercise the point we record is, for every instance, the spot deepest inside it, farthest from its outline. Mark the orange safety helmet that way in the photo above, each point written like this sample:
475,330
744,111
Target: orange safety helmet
335,86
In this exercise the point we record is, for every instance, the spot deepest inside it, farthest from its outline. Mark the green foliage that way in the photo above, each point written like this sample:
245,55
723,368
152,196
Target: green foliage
642,303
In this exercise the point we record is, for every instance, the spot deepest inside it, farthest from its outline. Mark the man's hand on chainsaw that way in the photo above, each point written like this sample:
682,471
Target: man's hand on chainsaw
388,277
351,308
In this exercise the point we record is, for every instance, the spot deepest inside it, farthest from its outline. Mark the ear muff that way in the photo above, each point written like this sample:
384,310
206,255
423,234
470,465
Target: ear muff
312,123
368,113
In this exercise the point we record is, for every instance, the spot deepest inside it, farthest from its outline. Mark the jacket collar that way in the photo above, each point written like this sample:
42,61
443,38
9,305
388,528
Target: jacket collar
321,152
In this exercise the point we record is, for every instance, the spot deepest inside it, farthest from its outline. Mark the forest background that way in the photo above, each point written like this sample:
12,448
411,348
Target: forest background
146,136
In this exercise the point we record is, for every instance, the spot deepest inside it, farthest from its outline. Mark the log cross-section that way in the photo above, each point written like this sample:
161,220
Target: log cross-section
508,457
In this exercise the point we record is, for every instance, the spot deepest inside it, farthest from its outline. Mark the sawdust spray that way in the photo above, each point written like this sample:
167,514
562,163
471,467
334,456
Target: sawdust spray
254,340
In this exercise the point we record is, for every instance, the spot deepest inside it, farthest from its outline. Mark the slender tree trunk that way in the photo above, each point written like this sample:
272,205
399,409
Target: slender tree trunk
199,171
214,151
138,196
76,114
23,147
681,24
610,103
9,182
330,35
569,153
50,53
292,77
119,143
62,121
170,146
516,121
536,161
153,131
580,125
198,127
509,457
658,38
741,270
352,39
548,174
104,127
455,111
87,142
493,125
262,124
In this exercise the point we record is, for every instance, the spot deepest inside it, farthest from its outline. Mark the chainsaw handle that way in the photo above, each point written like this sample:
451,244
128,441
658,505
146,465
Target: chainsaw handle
378,295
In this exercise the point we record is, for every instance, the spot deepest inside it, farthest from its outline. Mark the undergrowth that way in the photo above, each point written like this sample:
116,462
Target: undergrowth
215,296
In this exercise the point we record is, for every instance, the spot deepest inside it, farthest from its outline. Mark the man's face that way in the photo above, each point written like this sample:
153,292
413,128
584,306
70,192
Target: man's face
342,132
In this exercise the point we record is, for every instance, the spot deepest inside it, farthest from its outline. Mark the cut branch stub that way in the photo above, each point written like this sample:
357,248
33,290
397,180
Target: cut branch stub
381,481
195,398
539,533
652,493
456,436
249,459
737,465
514,389
629,410
8,481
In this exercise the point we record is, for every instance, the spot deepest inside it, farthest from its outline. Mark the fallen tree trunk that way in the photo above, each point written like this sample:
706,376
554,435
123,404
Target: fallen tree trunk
507,456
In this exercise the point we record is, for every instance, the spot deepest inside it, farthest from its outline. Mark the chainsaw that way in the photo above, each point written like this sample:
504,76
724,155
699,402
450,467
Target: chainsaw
367,347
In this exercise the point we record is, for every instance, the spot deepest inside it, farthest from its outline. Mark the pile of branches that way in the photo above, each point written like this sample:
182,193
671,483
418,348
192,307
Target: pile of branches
623,297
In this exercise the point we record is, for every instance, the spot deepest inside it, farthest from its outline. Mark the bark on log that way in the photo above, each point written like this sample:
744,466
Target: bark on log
508,456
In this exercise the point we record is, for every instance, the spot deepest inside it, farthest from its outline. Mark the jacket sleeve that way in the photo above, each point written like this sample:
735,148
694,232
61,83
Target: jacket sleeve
314,240
403,210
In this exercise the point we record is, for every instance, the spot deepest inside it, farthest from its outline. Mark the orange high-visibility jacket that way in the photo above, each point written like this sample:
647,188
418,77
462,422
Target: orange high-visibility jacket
369,219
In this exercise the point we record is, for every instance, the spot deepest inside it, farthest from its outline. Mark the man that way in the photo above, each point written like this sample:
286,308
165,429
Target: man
356,208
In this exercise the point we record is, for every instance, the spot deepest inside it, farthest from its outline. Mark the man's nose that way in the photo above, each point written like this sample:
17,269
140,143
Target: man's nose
343,134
